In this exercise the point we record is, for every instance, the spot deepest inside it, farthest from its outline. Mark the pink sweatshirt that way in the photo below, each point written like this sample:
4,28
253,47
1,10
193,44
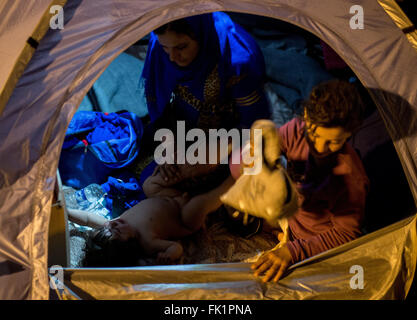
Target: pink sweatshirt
332,206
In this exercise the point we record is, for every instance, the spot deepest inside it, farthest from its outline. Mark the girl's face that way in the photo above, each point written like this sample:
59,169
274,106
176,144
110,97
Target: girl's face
326,141
180,48
323,140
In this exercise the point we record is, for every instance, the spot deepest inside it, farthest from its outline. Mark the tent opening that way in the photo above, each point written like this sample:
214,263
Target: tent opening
295,60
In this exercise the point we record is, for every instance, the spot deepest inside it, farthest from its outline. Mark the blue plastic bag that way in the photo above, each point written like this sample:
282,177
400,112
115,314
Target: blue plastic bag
96,144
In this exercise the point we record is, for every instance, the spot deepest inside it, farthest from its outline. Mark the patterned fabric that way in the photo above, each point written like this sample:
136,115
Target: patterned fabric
248,100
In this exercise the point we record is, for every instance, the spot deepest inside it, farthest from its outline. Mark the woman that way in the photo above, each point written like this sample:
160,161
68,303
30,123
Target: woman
206,71
211,65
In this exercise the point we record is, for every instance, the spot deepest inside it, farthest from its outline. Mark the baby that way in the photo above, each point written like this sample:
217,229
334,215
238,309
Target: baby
173,209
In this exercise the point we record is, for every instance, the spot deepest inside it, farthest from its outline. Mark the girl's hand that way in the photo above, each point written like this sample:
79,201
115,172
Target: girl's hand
274,263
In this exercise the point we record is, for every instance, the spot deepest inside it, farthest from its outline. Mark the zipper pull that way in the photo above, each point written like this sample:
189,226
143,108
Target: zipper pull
86,144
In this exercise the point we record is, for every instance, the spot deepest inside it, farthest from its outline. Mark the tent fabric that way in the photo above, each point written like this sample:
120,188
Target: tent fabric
23,20
67,62
401,20
326,276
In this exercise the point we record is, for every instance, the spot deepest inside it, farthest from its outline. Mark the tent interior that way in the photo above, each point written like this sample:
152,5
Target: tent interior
46,73
296,60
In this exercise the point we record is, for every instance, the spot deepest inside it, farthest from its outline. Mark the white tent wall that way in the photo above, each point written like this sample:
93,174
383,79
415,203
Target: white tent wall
67,62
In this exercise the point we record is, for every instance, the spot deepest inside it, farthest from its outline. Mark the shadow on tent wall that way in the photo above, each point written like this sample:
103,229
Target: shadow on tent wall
390,198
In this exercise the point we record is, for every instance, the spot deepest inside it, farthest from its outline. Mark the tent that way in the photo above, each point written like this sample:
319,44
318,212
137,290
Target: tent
46,72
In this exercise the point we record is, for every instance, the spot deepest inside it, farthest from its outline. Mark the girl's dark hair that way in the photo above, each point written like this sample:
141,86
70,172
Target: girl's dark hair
178,26
100,251
335,103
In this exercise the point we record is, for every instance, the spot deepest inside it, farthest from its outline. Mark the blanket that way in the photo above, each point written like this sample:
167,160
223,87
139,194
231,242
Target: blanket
118,88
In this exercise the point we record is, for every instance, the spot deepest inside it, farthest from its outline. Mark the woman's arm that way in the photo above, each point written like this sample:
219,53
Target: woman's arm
250,99
195,211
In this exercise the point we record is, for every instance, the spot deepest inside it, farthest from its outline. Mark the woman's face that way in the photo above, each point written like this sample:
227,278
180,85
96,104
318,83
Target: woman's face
181,48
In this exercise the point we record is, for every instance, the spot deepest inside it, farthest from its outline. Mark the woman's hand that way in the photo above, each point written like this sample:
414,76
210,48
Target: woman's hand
174,173
169,172
274,262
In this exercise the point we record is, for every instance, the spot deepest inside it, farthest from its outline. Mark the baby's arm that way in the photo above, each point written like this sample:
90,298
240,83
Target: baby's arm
86,218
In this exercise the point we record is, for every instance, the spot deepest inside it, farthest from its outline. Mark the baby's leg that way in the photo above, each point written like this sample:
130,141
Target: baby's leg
168,251
156,186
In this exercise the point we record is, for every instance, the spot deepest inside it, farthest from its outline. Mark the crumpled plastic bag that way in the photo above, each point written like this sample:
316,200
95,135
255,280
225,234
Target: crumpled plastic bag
270,194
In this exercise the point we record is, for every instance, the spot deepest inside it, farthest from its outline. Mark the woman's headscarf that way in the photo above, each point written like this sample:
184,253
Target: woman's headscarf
221,42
